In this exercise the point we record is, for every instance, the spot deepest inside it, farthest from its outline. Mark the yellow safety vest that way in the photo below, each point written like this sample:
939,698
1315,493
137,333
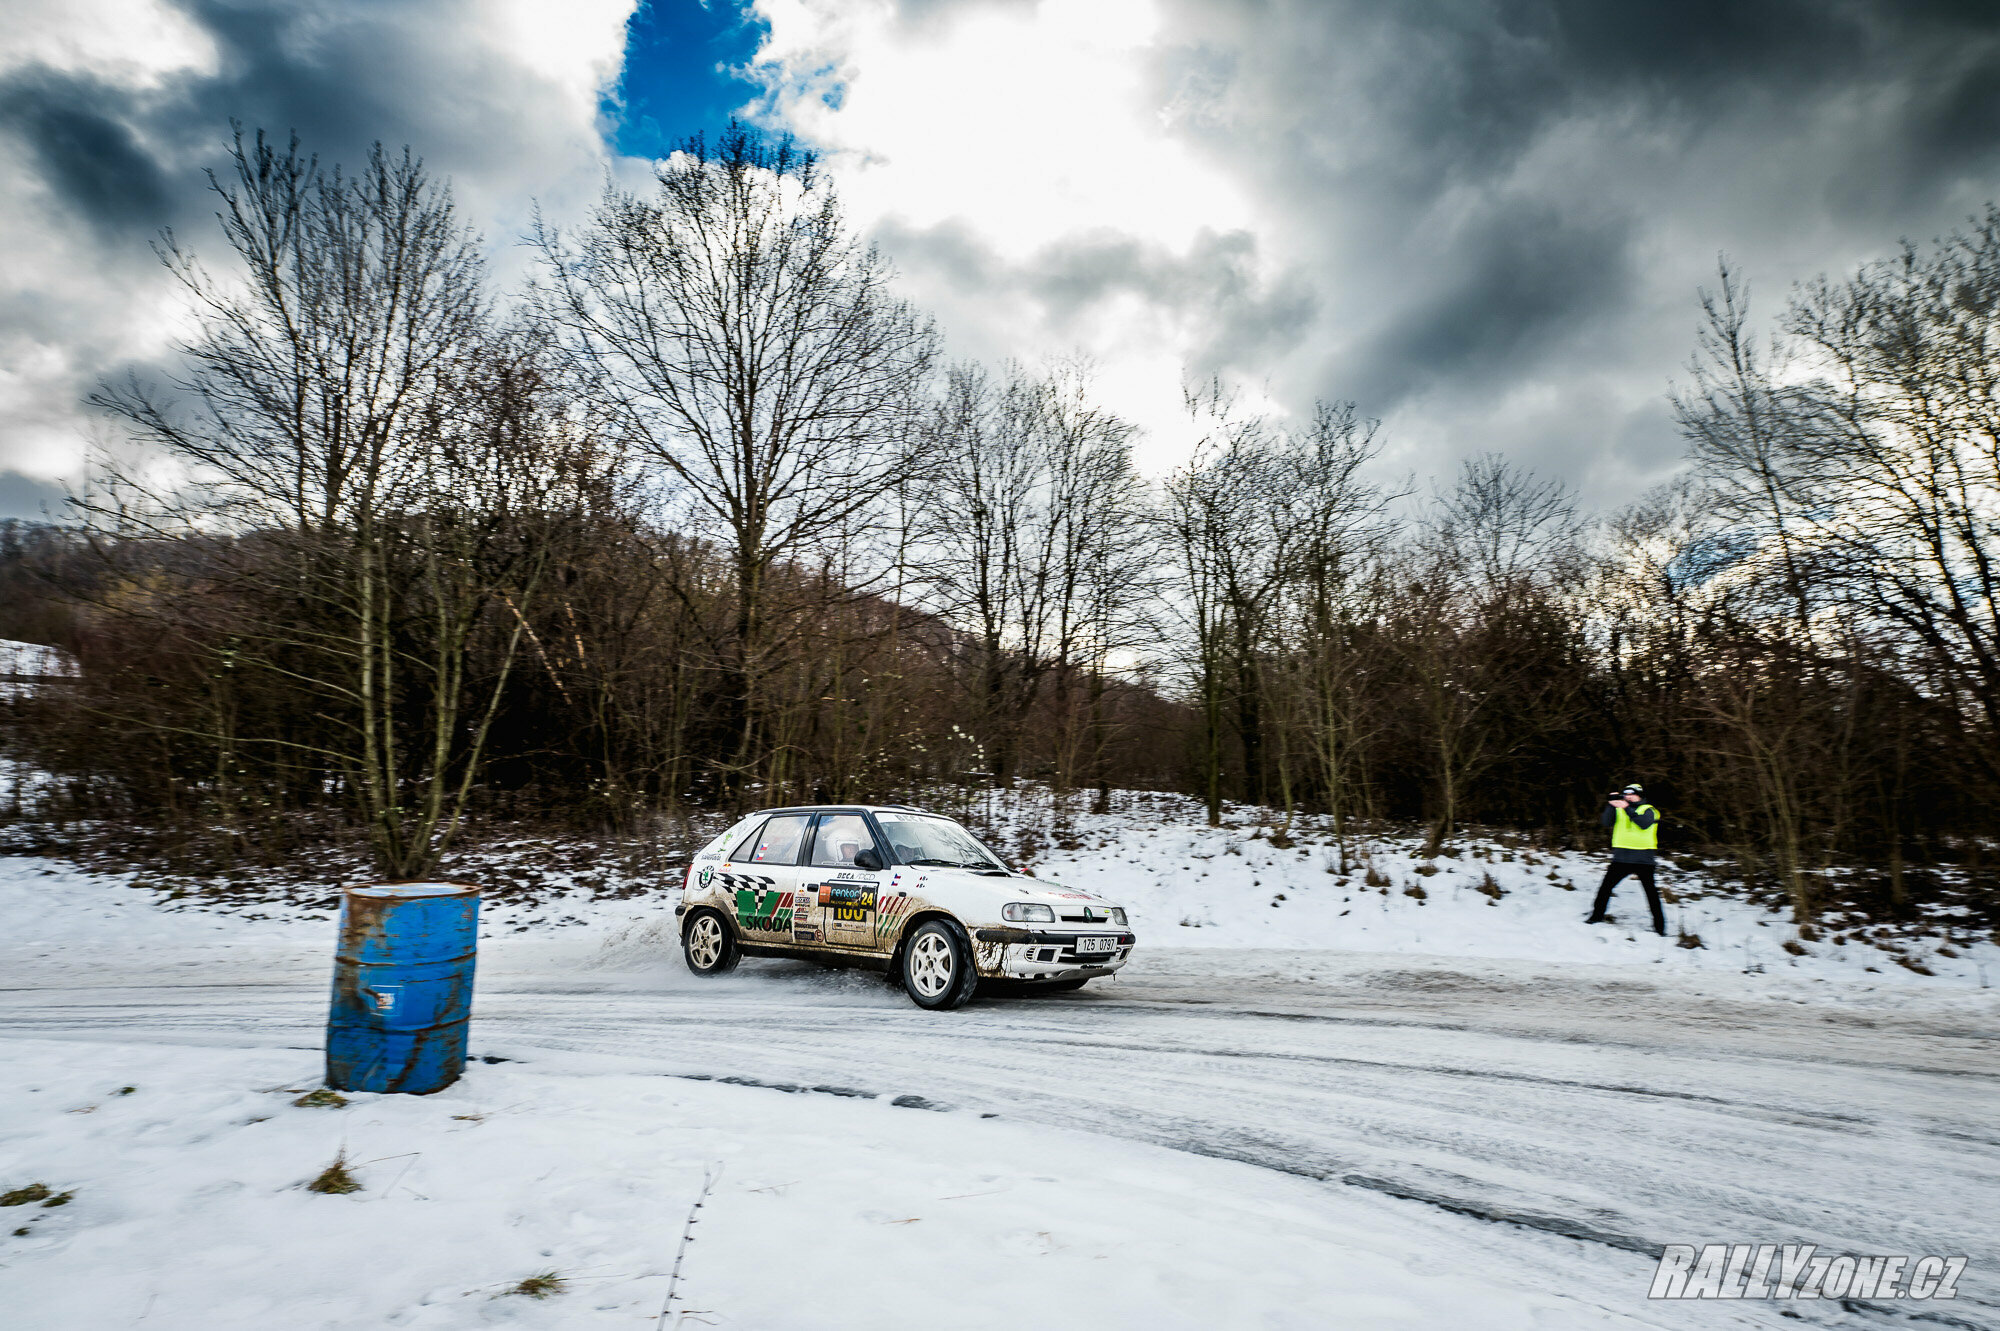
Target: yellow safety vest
1628,835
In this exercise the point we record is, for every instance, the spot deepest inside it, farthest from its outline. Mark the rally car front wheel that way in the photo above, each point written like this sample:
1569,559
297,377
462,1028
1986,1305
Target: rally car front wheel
936,969
708,945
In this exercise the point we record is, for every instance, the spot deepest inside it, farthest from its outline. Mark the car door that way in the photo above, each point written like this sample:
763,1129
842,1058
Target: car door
840,899
763,878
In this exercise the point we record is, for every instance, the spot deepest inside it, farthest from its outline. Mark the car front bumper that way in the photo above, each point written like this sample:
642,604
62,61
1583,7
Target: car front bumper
1030,954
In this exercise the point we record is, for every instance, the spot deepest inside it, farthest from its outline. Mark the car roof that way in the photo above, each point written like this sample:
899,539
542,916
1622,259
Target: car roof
844,808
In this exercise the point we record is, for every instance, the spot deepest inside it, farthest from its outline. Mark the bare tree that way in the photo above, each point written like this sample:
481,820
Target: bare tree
1029,539
1741,421
978,544
1902,433
1099,566
1491,546
1263,520
748,346
357,449
1227,565
1340,518
1873,458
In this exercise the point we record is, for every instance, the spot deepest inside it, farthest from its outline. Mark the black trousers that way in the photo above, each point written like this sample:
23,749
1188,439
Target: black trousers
1644,873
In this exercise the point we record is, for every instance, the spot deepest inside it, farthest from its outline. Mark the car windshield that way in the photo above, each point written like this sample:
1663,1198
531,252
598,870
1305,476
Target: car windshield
920,839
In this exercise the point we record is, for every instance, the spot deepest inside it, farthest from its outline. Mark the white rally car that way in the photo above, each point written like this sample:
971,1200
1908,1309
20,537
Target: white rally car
893,887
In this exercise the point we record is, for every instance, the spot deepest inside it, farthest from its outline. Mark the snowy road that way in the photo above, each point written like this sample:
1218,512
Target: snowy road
1595,1104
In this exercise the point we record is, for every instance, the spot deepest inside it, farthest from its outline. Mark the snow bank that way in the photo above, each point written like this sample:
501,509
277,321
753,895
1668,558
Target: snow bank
33,660
50,904
1190,885
1186,884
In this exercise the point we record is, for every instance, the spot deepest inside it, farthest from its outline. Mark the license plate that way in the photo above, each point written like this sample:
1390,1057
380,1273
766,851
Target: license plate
1107,945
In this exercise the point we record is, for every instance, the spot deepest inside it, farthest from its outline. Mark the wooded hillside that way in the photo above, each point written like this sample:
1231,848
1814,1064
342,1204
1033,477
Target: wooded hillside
704,518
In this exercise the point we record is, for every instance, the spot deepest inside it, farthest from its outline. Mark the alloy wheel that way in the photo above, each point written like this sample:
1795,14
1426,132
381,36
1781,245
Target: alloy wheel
705,942
932,965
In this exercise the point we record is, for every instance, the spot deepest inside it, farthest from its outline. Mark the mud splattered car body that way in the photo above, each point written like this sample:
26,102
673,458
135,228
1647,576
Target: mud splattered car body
894,888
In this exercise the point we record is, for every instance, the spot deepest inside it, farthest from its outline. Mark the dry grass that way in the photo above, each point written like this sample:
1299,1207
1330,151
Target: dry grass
323,1098
34,1192
540,1286
336,1178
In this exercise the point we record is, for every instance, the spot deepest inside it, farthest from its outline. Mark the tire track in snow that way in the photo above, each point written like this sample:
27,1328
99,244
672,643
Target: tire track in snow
1583,1128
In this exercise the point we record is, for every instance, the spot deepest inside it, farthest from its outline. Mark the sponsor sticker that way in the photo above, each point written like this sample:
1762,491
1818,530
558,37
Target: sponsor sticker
889,910
851,903
763,911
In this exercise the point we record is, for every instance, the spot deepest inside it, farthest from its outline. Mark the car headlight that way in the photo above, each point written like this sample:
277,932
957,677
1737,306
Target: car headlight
1118,916
1027,911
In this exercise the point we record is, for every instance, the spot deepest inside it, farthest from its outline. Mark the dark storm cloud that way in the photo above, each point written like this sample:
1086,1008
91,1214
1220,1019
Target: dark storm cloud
376,74
104,152
1487,221
1506,207
1958,123
122,158
85,149
1522,284
370,74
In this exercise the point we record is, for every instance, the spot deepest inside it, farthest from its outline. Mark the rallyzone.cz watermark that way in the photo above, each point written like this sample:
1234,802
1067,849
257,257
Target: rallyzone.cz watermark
1798,1271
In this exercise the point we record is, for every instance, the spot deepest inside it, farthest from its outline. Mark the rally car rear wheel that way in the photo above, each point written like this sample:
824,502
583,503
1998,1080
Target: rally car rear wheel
708,945
937,969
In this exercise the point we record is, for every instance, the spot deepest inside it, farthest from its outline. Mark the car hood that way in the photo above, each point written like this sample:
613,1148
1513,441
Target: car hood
1015,887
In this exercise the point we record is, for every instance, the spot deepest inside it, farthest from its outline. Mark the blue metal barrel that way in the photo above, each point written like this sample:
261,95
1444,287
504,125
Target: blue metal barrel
402,987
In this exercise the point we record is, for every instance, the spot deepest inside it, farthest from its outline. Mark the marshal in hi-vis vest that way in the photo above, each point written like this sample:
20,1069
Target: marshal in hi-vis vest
1628,835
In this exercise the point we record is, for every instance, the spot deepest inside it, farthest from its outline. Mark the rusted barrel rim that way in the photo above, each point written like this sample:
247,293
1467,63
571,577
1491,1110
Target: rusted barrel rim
409,891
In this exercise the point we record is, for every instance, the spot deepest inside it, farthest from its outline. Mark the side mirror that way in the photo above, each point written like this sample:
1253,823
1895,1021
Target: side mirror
869,858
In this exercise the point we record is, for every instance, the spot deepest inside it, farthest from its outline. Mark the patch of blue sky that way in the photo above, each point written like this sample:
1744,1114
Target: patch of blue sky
680,76
1708,557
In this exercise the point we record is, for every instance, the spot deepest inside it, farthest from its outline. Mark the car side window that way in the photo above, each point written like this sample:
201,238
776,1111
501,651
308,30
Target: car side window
841,837
737,836
777,842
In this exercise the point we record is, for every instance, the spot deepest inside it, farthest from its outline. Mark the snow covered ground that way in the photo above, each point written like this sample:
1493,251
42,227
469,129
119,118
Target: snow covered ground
1186,885
191,1209
1349,1108
1190,885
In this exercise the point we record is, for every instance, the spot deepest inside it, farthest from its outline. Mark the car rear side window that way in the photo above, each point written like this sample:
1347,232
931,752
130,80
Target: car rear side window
841,837
777,842
735,835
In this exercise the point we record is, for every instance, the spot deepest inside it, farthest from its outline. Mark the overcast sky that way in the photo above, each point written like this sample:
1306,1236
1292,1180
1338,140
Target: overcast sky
1486,223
